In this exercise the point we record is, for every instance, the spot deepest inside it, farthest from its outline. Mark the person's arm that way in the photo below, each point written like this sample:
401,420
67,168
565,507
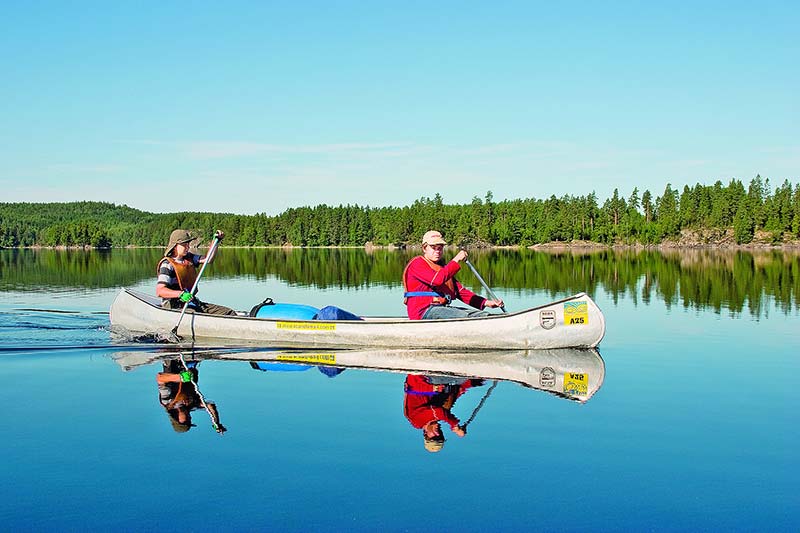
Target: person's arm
478,302
445,415
440,413
218,235
469,297
420,270
162,291
212,410
164,275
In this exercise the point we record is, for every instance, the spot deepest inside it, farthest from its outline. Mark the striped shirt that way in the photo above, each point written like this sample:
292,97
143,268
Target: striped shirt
166,272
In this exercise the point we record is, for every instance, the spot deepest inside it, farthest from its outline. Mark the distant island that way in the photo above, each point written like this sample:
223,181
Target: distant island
702,215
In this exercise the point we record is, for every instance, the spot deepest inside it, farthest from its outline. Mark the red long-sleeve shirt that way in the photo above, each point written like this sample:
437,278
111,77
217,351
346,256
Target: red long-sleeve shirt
421,277
424,401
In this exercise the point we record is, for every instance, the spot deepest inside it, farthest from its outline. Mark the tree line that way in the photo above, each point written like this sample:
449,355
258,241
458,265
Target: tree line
639,218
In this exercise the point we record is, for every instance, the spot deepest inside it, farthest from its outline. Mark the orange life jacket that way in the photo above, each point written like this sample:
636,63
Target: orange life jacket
183,397
185,271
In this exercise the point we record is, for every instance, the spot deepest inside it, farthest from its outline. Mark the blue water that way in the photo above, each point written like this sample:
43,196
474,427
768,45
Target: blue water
694,428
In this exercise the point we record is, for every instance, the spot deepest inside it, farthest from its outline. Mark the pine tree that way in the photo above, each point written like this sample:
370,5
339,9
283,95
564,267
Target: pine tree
743,225
668,217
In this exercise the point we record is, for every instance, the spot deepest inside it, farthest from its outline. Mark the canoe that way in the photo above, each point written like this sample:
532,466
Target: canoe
574,374
574,322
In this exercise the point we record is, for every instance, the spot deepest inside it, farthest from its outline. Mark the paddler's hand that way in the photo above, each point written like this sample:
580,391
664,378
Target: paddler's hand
458,430
460,256
186,377
219,234
494,303
186,296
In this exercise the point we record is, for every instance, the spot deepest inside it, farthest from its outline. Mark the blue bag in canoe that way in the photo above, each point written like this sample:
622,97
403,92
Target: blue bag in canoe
269,309
332,312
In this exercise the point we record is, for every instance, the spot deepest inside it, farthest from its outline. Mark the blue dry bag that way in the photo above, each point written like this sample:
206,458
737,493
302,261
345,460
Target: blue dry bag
332,312
269,309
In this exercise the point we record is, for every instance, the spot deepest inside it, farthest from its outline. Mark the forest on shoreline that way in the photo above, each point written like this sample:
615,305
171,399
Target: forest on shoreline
715,214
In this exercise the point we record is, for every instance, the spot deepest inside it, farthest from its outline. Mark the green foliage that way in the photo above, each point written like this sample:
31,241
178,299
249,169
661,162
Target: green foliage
743,223
639,219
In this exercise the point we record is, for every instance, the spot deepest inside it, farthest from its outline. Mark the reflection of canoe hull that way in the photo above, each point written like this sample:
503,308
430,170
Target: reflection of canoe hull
575,322
572,373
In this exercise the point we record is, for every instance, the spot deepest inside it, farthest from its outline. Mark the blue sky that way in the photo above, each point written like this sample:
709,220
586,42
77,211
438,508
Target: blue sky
250,107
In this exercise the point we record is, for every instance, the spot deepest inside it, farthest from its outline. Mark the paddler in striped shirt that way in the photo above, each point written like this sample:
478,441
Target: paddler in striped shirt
177,272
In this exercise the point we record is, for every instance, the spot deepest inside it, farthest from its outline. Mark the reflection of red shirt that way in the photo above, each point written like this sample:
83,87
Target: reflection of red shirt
421,277
425,402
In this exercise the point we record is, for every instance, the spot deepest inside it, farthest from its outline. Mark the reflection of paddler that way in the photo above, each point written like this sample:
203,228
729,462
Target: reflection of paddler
178,395
429,400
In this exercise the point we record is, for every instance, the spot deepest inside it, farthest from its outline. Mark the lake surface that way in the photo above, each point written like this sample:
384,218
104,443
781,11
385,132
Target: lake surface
689,421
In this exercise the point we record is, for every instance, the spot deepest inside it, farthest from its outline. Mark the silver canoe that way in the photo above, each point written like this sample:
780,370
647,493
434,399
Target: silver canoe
575,374
575,322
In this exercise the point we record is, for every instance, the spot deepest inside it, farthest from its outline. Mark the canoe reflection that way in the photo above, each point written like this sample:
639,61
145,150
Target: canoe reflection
434,379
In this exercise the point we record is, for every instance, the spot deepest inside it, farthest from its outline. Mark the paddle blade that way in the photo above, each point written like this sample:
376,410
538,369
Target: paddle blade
173,335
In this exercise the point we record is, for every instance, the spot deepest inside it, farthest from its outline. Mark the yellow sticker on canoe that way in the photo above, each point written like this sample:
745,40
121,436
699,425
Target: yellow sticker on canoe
576,384
314,358
310,326
576,313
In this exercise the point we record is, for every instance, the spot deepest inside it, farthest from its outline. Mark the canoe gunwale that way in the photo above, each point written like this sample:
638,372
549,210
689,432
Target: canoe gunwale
370,319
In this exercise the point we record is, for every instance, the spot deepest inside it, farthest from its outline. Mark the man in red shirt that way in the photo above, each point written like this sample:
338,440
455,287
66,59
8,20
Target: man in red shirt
431,285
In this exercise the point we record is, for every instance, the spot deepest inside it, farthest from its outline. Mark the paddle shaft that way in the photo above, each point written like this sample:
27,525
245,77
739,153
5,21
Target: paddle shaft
485,286
210,254
480,405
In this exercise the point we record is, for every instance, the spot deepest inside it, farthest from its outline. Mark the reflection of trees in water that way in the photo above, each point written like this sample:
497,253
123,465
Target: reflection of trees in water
35,269
715,279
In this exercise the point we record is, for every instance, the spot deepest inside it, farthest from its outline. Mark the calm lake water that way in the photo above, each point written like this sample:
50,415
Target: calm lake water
689,421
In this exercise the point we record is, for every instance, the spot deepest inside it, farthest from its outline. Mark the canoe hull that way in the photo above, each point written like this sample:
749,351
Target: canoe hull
574,322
